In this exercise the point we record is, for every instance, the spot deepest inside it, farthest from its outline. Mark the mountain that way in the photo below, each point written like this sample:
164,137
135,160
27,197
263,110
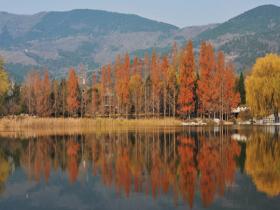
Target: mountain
59,40
247,36
94,23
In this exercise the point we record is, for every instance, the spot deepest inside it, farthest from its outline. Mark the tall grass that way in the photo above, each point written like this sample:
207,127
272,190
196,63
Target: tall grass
33,126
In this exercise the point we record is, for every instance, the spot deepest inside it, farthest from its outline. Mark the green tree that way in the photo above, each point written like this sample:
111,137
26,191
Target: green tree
241,89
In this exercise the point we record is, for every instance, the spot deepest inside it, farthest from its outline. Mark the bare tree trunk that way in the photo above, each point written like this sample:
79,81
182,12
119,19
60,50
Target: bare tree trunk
276,117
174,102
158,106
63,104
153,98
126,111
140,104
164,102
82,104
145,102
169,106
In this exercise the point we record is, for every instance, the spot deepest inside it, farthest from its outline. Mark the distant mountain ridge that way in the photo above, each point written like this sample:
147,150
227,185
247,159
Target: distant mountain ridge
263,18
59,40
247,36
92,23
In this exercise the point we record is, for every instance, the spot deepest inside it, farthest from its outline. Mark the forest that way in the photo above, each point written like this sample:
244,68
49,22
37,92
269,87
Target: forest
183,83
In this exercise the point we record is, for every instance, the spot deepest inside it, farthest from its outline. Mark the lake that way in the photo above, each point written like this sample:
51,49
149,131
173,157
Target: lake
153,168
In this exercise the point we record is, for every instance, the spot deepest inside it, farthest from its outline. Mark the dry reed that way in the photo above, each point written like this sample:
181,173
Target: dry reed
33,126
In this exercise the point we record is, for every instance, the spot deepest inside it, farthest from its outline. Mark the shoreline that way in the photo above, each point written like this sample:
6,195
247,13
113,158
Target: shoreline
50,123
32,127
23,122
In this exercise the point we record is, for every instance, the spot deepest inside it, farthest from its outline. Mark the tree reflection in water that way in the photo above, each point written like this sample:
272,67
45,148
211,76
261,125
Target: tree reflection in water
4,172
153,162
72,159
263,162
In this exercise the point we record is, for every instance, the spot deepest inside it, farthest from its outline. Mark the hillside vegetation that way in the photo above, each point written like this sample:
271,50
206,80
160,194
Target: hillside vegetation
59,40
247,36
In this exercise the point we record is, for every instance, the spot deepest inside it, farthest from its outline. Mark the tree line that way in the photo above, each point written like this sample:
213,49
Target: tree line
178,84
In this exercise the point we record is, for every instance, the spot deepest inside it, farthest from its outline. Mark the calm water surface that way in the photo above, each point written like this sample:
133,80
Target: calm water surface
142,169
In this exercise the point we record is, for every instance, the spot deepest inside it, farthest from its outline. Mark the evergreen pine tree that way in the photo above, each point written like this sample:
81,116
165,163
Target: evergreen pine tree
241,89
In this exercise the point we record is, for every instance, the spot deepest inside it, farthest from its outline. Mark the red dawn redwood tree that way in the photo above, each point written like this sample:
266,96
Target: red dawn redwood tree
146,79
207,88
118,85
220,82
125,83
94,96
122,72
186,102
155,78
38,95
136,87
46,94
72,93
109,91
103,89
231,96
173,81
164,72
55,99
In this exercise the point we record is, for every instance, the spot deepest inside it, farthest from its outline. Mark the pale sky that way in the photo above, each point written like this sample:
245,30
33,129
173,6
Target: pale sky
178,12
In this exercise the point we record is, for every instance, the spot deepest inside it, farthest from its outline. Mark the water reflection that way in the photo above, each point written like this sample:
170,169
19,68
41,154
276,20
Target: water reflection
155,163
4,173
263,162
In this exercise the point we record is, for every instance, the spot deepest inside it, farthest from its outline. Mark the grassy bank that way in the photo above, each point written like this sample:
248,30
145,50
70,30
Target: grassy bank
30,122
44,126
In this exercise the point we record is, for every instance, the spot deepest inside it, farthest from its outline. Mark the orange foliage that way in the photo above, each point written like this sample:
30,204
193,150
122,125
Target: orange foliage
72,153
156,82
123,172
187,169
72,92
207,88
187,78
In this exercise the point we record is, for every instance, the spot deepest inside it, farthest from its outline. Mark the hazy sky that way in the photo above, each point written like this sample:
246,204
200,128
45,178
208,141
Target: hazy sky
177,12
